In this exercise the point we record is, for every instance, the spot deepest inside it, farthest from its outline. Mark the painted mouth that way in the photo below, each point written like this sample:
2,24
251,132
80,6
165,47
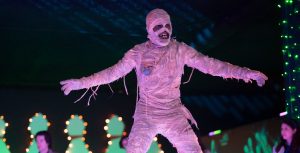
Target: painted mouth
164,35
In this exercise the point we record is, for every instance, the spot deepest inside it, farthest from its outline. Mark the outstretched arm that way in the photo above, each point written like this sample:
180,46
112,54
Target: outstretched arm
216,67
123,67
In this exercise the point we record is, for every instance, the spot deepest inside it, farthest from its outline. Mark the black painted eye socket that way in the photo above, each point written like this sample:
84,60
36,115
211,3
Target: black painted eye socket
157,27
168,26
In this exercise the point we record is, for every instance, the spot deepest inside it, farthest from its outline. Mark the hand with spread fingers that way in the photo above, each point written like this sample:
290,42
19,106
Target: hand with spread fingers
259,77
69,85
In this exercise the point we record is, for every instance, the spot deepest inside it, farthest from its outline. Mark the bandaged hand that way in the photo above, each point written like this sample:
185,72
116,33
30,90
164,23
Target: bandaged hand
259,77
69,85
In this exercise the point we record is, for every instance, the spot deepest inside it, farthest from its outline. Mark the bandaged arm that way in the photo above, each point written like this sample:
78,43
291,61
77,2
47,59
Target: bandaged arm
215,67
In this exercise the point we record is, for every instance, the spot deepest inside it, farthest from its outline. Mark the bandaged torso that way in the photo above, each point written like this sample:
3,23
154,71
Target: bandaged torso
159,71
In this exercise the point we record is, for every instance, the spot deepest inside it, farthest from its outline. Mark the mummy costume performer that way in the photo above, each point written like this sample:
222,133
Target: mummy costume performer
159,64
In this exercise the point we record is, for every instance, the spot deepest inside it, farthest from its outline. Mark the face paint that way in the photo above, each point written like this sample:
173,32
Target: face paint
159,27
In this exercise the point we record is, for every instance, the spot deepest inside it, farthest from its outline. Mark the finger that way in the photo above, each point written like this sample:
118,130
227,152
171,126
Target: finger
66,86
65,81
67,91
62,82
265,77
261,83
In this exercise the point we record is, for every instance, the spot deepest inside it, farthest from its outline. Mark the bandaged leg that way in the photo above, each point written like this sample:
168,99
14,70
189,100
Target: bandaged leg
181,135
140,137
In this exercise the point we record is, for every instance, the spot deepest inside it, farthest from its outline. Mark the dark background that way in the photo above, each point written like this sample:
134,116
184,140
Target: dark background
46,41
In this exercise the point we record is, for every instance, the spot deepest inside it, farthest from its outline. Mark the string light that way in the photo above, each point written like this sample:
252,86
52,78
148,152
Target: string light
36,123
290,51
75,128
120,118
3,126
115,131
108,135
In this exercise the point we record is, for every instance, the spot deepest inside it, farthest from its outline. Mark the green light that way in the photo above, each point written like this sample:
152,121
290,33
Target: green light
284,21
293,99
288,1
291,56
292,88
283,51
217,132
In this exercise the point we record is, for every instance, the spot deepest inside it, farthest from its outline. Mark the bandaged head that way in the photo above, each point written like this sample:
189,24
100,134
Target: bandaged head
159,27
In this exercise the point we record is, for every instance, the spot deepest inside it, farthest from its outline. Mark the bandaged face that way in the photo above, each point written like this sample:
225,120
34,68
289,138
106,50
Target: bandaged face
159,27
